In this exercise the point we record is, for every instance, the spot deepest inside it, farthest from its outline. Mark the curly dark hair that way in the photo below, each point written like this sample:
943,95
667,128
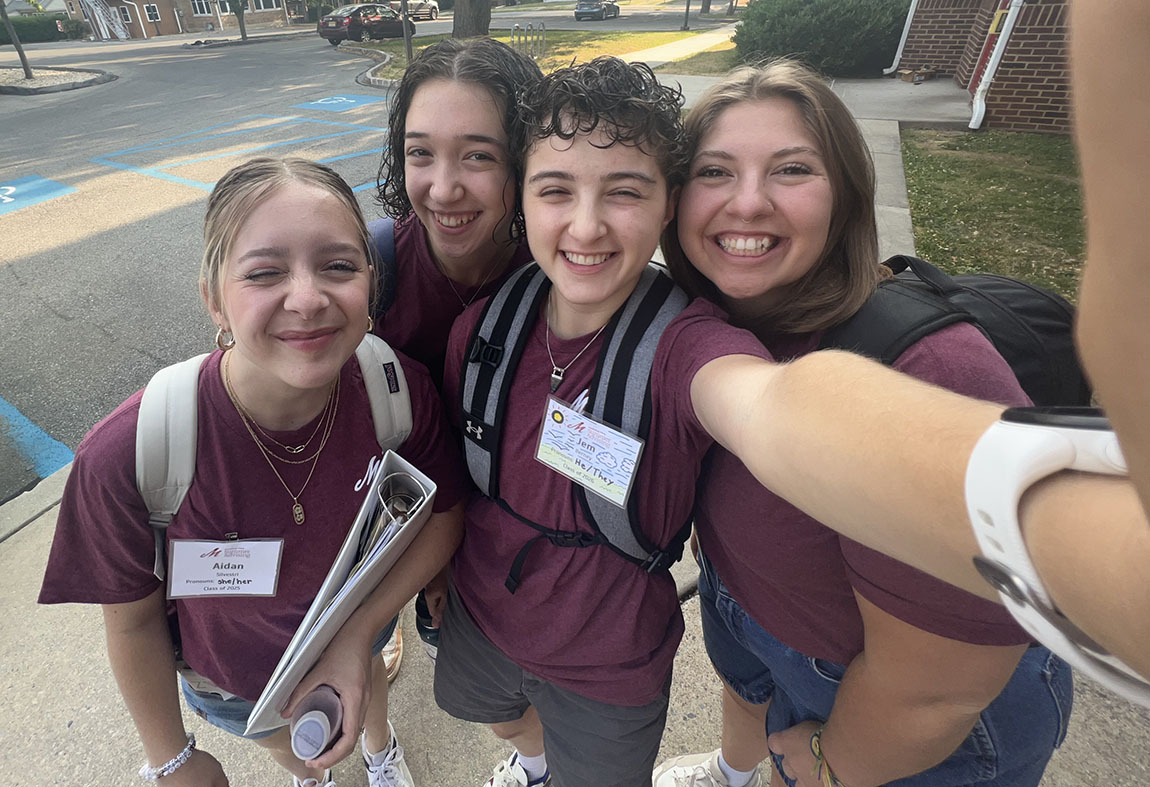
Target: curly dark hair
625,102
489,64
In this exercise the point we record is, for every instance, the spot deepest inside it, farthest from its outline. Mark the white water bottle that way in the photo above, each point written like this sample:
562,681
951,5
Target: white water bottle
316,723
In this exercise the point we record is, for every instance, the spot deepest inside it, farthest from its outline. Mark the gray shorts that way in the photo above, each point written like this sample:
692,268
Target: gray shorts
587,742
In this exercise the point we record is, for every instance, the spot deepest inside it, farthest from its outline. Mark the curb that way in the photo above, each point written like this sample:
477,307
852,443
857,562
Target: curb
210,43
366,78
100,78
26,508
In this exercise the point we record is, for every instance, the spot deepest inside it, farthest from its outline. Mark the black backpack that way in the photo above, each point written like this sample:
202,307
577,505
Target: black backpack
1031,328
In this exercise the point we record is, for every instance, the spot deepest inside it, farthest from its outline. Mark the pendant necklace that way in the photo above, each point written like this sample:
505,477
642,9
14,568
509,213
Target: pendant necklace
297,508
557,372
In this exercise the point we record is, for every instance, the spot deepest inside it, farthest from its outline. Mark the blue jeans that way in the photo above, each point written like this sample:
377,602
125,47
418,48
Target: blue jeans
1008,747
232,715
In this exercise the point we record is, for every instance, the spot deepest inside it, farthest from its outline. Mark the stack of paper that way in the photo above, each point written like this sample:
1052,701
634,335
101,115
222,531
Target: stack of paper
375,542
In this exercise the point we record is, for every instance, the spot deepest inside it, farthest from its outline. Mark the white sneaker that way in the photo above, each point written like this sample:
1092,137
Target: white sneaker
696,770
510,773
391,770
392,653
324,782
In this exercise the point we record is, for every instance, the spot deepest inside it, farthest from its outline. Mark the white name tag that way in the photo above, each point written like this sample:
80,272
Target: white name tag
226,569
595,455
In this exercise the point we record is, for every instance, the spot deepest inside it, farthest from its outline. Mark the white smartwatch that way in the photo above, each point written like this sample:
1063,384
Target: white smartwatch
1025,446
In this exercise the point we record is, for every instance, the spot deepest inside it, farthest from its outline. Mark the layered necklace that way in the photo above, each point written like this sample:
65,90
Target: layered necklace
557,371
323,428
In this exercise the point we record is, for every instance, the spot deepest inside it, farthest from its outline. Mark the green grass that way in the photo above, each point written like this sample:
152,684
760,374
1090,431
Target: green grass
715,61
997,202
562,47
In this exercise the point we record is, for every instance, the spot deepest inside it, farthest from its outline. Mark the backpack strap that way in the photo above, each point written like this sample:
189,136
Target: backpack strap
492,357
382,233
387,391
166,435
621,395
898,314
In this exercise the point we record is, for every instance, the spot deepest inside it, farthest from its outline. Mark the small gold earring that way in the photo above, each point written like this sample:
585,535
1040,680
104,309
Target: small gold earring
220,341
370,324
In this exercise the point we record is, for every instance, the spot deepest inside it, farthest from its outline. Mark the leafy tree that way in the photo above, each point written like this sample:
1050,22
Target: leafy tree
237,7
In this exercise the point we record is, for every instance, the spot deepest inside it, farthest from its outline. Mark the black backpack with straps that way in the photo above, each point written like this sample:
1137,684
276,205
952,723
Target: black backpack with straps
620,394
1031,328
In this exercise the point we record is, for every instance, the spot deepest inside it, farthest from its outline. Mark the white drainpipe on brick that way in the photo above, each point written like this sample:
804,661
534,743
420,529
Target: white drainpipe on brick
141,19
902,41
978,105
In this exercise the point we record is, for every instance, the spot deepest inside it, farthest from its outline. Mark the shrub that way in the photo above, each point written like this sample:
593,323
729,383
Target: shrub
837,37
34,28
75,29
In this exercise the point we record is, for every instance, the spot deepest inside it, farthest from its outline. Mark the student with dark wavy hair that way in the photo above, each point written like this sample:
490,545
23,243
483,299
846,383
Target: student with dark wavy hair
823,644
550,635
448,182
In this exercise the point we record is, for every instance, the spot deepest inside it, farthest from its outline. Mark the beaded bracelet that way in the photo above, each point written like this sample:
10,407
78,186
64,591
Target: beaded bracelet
822,770
150,774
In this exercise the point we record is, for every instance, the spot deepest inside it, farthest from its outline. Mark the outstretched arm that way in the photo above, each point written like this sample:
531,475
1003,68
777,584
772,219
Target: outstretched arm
1111,118
868,451
140,652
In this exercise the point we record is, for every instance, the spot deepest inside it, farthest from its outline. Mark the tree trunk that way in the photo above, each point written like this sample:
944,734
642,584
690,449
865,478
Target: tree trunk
472,18
239,8
705,8
731,7
16,40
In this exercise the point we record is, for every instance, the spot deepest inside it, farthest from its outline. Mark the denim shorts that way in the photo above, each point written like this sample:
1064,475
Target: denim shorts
1008,747
231,715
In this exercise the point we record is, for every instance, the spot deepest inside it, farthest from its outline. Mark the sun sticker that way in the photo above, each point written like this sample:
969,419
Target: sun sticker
557,416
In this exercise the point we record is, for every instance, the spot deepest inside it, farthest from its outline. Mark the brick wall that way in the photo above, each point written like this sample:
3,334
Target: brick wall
1031,91
938,34
975,38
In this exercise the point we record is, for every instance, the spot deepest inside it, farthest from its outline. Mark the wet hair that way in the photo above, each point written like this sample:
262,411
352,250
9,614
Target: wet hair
244,188
488,64
848,269
624,102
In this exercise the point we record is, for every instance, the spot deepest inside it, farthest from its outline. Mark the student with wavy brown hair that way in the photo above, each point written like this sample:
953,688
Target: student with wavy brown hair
822,644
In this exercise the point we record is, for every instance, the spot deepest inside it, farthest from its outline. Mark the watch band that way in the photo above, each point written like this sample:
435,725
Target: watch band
1024,447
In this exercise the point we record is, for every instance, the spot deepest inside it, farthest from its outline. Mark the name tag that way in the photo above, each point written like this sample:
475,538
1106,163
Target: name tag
225,569
593,454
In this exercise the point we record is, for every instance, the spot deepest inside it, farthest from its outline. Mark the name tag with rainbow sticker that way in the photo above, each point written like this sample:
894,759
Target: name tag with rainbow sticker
597,456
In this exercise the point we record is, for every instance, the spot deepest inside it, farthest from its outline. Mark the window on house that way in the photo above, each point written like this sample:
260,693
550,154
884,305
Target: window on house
125,14
201,8
224,7
71,8
264,5
152,12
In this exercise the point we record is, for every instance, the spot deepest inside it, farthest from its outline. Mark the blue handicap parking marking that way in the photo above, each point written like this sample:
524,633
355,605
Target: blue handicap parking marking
340,103
22,192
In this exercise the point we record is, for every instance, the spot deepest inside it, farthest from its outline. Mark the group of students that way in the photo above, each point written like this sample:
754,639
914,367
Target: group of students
520,290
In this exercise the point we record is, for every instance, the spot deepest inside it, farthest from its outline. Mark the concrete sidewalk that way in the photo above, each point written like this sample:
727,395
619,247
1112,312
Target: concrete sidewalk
62,721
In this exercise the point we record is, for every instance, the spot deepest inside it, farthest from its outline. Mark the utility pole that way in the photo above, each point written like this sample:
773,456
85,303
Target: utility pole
406,28
687,17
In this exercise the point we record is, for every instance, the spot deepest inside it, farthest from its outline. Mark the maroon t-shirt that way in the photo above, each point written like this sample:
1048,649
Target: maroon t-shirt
587,619
796,577
103,548
419,320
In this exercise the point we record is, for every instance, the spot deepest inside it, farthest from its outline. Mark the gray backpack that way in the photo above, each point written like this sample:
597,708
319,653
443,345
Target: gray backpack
166,431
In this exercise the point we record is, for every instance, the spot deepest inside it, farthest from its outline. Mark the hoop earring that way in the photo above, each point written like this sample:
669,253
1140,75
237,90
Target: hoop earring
225,345
370,323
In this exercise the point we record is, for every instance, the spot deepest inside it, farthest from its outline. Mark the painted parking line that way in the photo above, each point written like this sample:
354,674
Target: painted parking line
240,138
41,450
30,190
341,103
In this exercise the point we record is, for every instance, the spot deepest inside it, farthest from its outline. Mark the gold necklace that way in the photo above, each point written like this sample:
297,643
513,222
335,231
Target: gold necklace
297,509
557,372
249,421
479,289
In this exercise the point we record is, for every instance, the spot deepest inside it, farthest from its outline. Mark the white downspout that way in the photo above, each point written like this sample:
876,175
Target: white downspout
978,105
902,41
219,16
140,19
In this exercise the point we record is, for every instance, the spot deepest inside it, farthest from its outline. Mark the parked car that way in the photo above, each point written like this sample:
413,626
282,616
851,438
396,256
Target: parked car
428,9
357,22
595,9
